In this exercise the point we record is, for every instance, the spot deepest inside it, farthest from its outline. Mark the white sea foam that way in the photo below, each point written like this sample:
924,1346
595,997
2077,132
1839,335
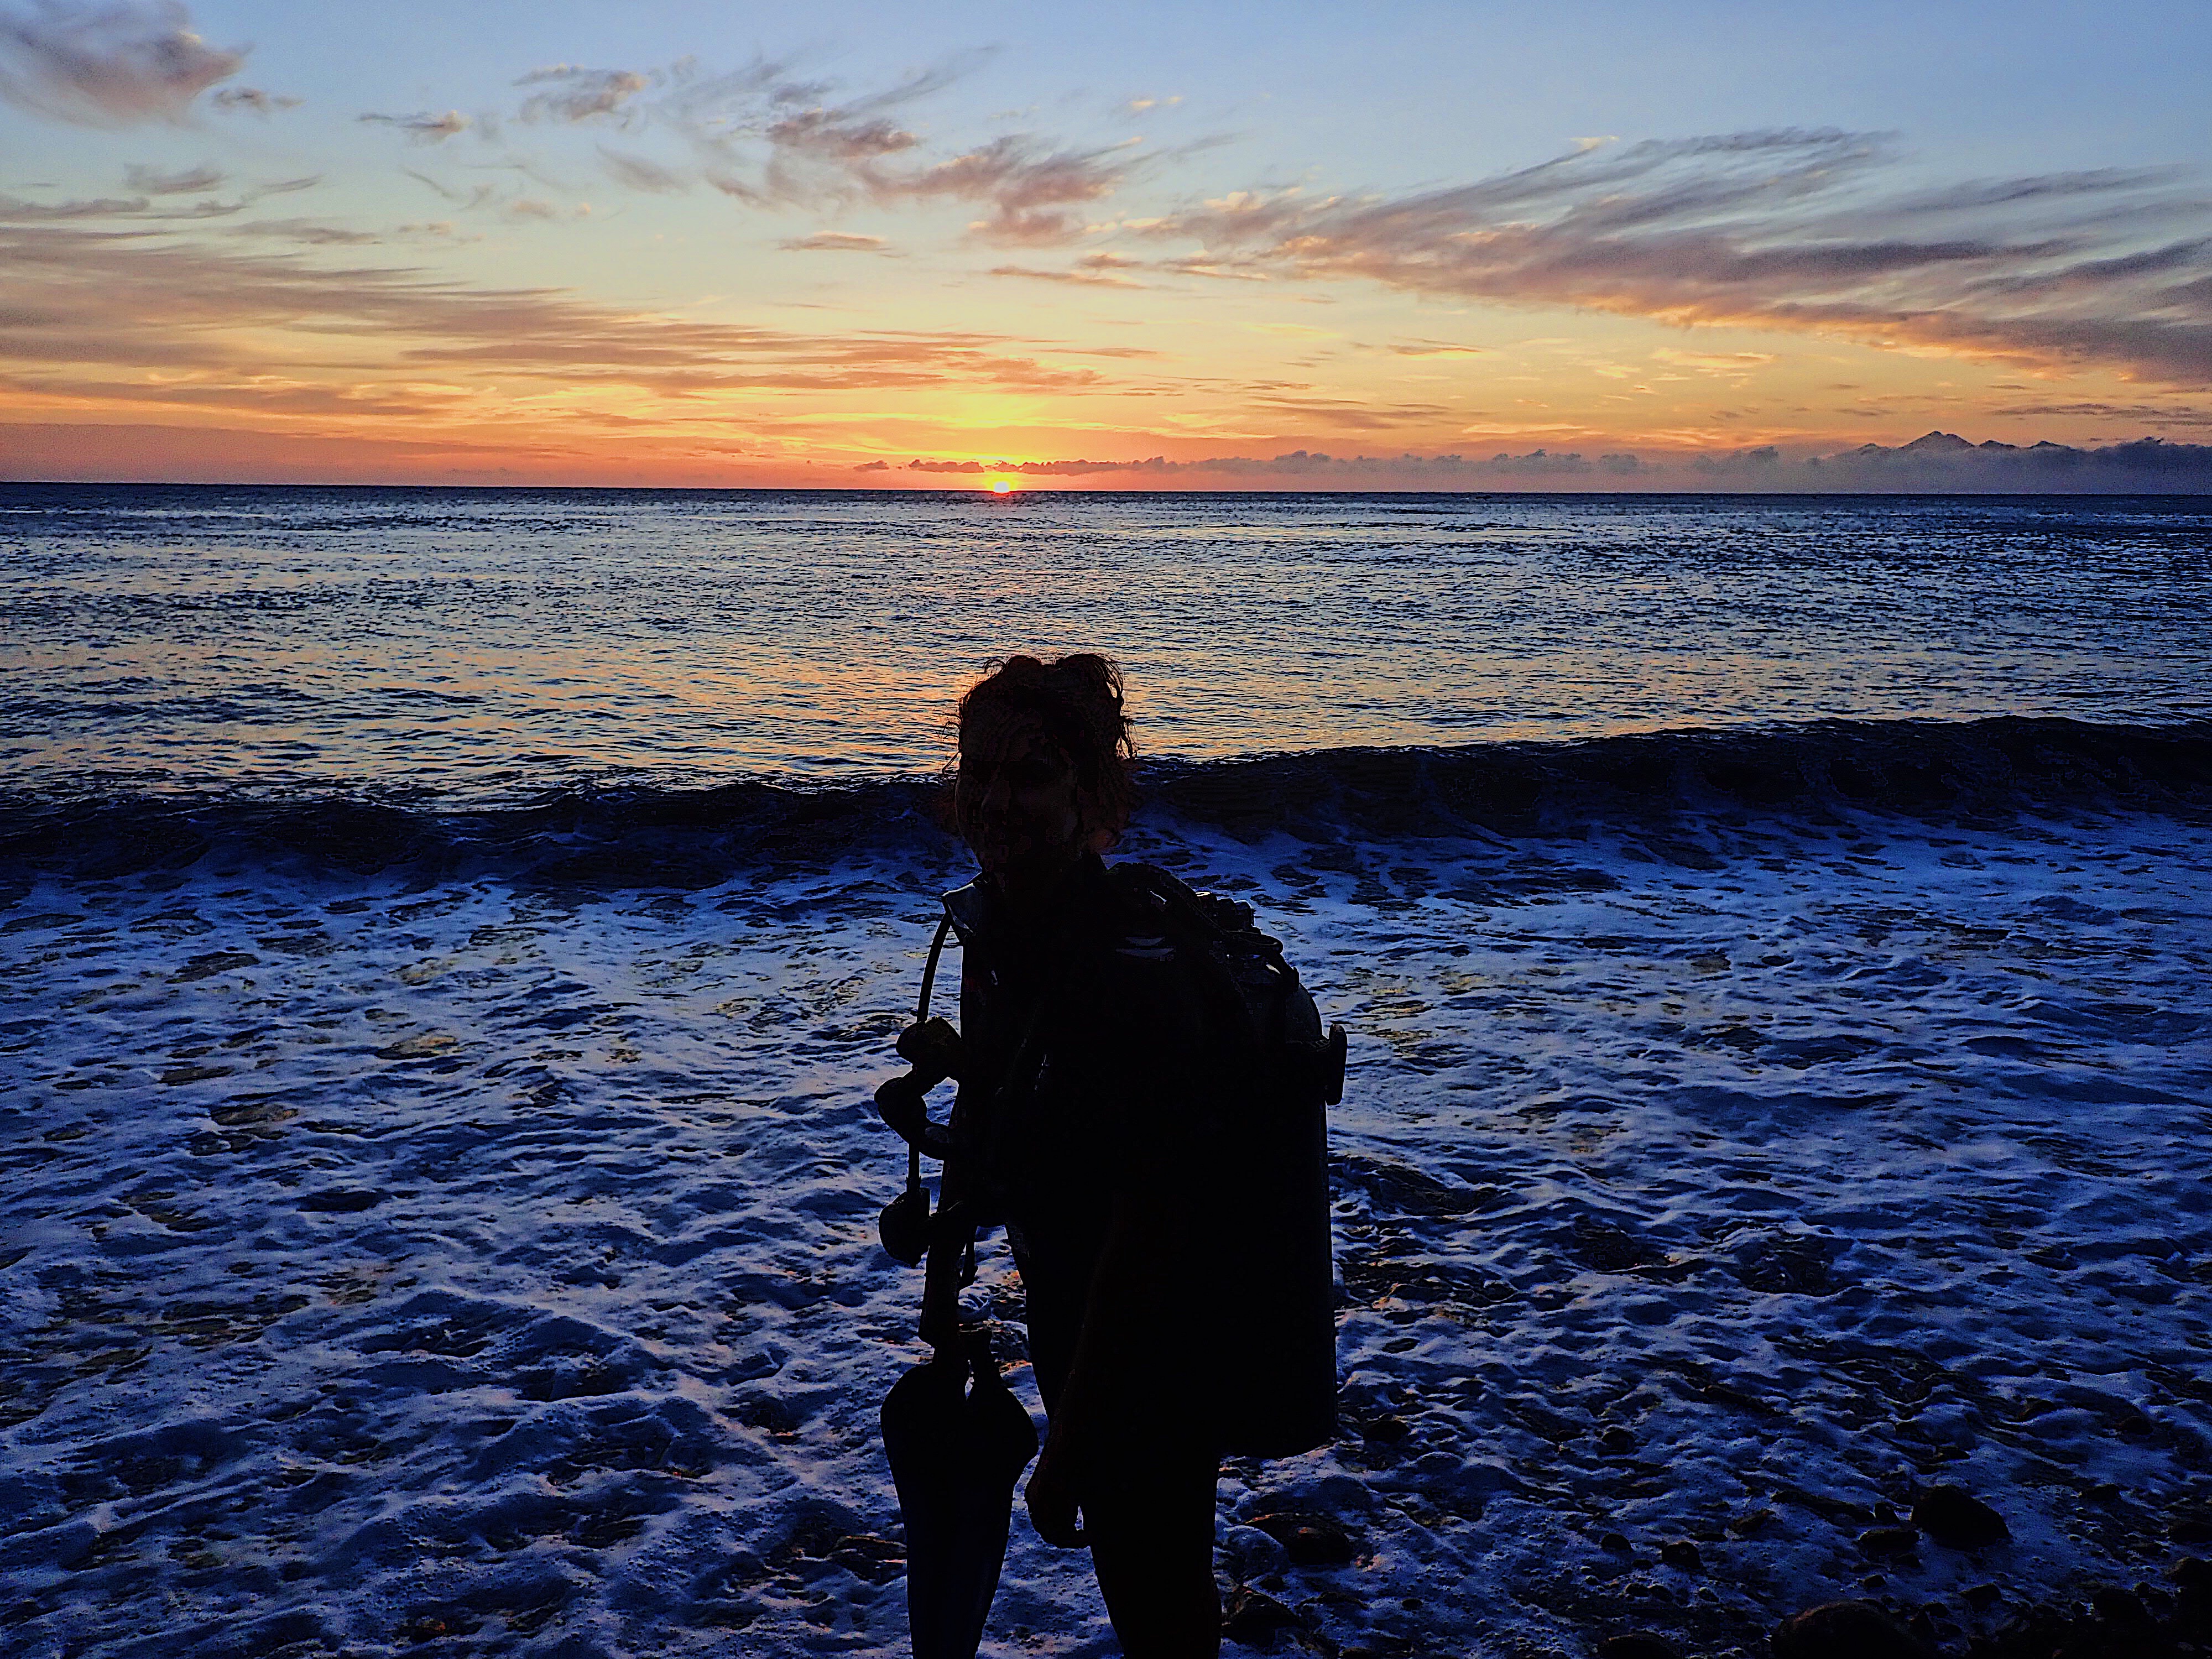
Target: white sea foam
499,1259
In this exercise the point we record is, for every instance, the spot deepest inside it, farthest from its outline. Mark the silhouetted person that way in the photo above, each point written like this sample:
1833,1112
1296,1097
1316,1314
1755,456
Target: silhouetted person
1078,1083
1142,1088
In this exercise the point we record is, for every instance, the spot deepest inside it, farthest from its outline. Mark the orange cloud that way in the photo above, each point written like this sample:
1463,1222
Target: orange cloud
1084,278
123,299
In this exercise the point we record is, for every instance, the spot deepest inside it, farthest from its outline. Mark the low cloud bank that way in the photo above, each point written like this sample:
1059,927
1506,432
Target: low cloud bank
1304,464
1939,463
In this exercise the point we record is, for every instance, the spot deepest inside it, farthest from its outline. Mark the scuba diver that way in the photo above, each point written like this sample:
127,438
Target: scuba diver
1141,1085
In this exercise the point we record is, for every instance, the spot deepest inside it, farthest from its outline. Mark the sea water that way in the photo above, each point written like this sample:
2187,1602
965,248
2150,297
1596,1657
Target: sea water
450,938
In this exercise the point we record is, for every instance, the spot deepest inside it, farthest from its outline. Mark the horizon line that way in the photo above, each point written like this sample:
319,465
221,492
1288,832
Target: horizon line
986,491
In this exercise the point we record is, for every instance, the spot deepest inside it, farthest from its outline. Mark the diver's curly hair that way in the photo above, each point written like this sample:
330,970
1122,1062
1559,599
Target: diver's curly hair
1079,700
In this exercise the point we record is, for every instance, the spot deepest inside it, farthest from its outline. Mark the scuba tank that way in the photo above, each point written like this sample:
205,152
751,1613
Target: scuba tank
1274,1306
1267,1265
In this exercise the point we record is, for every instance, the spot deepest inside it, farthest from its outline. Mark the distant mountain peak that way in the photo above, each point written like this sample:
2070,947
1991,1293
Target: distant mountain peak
1932,443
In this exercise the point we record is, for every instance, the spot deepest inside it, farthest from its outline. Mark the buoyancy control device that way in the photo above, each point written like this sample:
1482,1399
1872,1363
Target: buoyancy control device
1273,1362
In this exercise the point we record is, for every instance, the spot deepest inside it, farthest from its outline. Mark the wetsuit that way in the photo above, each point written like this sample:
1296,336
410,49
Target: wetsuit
1088,1092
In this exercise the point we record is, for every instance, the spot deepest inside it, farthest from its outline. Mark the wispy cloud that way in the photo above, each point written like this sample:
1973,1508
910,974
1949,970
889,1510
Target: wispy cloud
1030,189
838,137
1352,414
1790,230
123,299
1713,363
2174,415
424,127
774,140
15,210
834,241
476,195
1430,348
186,181
1207,268
263,395
308,232
115,64
252,101
571,93
1079,277
146,210
769,137
641,171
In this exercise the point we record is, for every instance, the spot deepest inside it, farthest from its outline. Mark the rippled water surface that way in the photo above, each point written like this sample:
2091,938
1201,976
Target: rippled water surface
486,641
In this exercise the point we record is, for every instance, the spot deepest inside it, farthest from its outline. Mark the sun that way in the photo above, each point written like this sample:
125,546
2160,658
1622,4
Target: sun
1002,486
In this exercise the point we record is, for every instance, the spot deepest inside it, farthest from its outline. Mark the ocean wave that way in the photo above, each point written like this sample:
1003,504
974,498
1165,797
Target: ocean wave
1922,769
628,836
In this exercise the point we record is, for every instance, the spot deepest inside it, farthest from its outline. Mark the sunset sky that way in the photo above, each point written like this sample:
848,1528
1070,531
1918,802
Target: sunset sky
1443,245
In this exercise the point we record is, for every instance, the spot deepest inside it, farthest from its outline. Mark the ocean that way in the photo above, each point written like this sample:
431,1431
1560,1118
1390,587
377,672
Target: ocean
451,937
